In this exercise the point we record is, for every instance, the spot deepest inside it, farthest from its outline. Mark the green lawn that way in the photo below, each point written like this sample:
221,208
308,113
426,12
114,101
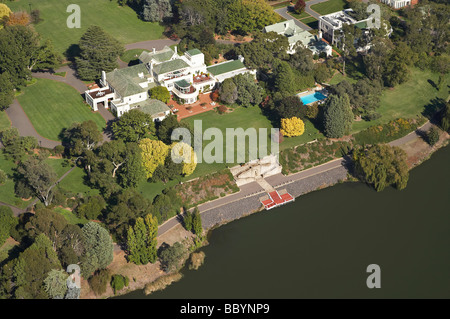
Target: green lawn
408,99
70,217
4,121
121,22
74,183
329,6
299,16
311,22
131,55
52,106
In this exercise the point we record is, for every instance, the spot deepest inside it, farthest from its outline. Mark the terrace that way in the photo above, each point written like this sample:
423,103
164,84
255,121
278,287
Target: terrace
201,78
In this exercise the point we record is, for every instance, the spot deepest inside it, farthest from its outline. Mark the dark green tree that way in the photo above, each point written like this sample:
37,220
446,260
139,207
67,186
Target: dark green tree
338,116
7,222
134,126
197,228
98,52
98,249
81,137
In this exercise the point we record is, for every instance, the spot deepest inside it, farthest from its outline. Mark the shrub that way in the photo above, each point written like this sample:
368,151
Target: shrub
118,282
221,109
99,281
58,150
432,136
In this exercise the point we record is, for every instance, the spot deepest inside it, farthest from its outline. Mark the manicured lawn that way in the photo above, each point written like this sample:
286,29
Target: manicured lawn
4,121
311,22
70,217
299,16
408,99
120,22
74,183
131,55
52,106
329,6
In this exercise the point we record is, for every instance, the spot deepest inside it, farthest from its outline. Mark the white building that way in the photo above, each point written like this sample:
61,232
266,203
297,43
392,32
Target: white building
397,4
184,76
331,24
295,35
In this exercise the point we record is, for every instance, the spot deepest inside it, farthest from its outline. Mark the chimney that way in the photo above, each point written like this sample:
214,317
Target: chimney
241,58
176,50
154,50
320,35
104,78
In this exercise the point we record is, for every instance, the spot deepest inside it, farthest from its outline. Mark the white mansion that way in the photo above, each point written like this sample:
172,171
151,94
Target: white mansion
185,76
295,35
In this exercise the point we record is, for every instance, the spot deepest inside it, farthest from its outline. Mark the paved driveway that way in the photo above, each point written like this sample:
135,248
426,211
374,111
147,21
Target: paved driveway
311,11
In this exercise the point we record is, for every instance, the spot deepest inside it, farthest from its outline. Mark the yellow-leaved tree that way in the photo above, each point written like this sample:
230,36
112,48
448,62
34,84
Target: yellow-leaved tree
153,154
292,127
5,11
184,153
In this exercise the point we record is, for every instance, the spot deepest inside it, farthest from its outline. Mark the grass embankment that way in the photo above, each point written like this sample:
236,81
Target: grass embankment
52,106
121,22
70,217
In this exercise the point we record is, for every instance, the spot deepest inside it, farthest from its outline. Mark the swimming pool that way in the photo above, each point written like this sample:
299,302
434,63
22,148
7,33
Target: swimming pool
310,98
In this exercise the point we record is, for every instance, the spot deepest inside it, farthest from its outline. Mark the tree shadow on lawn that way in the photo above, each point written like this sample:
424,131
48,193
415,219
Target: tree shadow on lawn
431,110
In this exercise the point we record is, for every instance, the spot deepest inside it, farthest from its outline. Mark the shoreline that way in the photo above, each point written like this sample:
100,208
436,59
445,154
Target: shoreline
215,217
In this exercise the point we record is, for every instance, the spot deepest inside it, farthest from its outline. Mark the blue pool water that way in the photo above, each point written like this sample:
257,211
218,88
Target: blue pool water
316,96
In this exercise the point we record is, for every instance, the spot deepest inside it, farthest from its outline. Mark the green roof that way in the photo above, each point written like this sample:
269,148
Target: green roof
170,66
183,83
159,56
225,67
151,106
194,52
126,81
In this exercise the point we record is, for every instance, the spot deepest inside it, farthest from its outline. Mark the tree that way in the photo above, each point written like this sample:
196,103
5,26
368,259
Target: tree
382,165
153,154
118,282
92,208
248,91
56,284
32,267
40,177
284,78
290,106
302,59
338,116
141,240
134,126
18,18
6,90
292,127
157,10
99,281
98,247
245,16
7,222
170,256
21,51
182,153
187,221
168,125
433,136
197,228
228,91
5,11
445,118
98,52
299,6
82,137
160,93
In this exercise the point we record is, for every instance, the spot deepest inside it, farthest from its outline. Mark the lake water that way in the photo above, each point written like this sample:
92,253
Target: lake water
310,98
320,245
